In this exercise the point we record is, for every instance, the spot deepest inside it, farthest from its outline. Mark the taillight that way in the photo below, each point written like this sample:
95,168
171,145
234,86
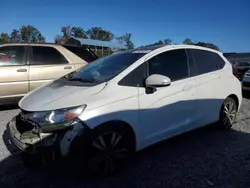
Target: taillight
235,73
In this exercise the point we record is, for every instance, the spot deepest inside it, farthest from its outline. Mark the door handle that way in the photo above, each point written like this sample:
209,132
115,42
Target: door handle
68,67
187,87
21,70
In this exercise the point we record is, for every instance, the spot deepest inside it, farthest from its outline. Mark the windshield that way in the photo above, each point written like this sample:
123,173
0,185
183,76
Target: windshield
105,68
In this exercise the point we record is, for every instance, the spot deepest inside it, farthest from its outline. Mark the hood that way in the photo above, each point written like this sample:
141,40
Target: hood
58,95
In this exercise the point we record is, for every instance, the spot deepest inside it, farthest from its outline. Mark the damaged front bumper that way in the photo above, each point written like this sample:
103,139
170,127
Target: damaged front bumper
29,137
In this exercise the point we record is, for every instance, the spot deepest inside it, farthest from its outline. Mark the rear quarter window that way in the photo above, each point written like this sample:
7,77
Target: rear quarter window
219,61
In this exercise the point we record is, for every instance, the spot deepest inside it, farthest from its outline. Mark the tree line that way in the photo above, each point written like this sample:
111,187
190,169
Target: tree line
29,33
186,41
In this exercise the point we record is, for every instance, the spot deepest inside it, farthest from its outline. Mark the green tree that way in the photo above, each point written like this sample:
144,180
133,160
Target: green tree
160,42
187,41
207,45
78,32
68,32
15,36
97,33
59,39
200,43
126,40
31,34
167,41
4,38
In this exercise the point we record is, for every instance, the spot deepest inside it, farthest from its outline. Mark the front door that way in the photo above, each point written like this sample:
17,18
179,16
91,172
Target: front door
47,64
168,110
13,73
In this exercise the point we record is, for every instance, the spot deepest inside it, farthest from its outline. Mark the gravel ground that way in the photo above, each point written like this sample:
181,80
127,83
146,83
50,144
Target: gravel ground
207,157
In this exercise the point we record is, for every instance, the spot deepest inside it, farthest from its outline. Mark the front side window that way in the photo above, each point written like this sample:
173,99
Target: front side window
135,78
12,55
172,64
46,56
105,68
204,61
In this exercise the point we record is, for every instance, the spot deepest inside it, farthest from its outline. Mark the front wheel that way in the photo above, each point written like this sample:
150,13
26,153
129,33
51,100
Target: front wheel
107,153
228,113
104,151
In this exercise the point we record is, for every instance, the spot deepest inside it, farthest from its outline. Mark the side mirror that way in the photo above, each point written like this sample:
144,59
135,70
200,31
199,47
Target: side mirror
157,80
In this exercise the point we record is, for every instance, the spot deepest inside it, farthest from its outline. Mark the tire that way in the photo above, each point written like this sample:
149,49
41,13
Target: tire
106,151
228,113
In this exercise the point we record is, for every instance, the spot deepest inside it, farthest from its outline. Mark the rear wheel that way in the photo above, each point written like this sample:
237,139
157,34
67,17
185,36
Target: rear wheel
228,113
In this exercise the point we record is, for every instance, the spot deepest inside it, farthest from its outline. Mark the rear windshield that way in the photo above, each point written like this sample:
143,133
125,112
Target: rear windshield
82,52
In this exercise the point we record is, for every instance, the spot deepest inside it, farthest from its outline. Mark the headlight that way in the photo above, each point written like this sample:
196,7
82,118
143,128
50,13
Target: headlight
65,116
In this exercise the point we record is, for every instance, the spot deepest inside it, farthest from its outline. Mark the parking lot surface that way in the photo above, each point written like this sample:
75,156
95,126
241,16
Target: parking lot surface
207,157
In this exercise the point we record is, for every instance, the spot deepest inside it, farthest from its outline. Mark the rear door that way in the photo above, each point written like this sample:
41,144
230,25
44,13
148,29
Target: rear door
47,64
207,73
13,73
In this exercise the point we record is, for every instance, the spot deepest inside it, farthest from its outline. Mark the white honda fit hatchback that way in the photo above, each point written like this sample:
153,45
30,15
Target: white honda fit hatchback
127,101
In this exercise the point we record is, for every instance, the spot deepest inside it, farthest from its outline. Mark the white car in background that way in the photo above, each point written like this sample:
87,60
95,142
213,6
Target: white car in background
126,102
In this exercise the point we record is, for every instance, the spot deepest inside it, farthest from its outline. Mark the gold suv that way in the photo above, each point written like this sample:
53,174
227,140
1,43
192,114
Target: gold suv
26,66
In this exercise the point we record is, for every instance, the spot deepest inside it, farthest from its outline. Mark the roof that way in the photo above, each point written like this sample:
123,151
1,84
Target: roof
100,43
29,43
152,48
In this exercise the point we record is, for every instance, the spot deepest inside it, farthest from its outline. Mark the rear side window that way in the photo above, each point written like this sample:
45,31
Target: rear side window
47,56
81,52
171,63
12,55
204,61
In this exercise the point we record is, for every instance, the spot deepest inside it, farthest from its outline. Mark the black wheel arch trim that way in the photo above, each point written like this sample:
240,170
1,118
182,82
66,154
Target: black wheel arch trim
88,134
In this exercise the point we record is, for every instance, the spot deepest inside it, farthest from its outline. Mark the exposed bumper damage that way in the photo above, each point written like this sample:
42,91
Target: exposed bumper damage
31,138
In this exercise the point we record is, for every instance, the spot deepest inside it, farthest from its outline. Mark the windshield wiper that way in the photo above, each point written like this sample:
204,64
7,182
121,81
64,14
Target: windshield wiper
84,80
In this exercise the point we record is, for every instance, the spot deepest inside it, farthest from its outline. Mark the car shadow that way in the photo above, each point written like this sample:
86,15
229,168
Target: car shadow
246,94
202,158
8,107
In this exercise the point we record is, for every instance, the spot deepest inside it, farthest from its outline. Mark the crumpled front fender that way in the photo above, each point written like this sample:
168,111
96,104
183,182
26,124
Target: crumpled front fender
68,138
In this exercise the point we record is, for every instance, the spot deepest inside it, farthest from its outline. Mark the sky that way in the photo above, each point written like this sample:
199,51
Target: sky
224,23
